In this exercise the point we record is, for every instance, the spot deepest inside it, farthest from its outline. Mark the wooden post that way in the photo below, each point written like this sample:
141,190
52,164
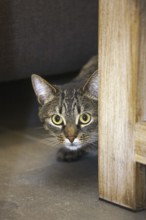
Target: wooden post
121,179
141,99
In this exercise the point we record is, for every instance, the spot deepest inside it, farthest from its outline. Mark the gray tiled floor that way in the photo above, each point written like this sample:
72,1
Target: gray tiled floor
33,185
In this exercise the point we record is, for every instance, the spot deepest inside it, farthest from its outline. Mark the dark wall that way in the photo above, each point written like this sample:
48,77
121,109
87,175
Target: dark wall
46,36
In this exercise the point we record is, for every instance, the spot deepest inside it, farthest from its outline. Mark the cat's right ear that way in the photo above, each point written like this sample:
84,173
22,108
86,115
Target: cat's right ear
91,86
44,91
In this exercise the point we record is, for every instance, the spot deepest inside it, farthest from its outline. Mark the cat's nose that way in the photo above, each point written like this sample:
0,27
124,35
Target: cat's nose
71,138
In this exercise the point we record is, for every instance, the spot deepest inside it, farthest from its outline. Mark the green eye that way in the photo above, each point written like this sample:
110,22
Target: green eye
85,118
57,120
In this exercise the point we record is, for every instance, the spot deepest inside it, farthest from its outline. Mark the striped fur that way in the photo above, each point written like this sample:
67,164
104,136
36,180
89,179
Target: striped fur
70,102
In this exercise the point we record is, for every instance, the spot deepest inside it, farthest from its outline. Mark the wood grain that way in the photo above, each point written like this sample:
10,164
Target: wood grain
140,143
121,180
141,100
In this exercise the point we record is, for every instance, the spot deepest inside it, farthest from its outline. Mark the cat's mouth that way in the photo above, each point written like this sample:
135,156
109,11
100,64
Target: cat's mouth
75,145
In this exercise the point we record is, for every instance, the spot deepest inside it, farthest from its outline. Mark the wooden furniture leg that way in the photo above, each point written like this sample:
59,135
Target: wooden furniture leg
121,179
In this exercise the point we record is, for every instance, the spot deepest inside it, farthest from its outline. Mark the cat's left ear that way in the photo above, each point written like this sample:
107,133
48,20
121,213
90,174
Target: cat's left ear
91,86
44,91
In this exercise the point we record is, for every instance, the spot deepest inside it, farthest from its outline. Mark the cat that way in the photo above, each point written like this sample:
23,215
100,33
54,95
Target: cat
69,112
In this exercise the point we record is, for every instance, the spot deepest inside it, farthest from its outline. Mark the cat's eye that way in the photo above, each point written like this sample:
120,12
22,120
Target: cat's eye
85,118
57,120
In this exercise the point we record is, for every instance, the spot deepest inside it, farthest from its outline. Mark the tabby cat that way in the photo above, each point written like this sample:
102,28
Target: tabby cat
69,112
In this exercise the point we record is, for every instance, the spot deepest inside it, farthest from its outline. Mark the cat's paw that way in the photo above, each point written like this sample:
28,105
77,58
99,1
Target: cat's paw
67,155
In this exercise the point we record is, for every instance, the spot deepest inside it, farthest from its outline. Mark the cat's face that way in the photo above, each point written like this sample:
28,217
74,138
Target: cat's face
71,115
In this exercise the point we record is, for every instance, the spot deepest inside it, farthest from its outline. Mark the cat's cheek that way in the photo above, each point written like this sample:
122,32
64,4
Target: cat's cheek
45,127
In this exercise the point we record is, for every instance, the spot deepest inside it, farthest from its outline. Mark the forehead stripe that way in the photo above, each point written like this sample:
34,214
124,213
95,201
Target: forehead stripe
69,102
62,95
